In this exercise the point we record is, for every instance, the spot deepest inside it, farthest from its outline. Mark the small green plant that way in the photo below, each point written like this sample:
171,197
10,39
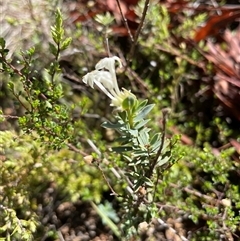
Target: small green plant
40,97
144,155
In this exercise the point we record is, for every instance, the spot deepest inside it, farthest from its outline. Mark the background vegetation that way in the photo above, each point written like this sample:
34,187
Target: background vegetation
58,170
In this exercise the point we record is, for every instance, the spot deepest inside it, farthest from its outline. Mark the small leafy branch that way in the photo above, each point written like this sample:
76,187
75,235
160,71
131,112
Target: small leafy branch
145,157
150,154
40,96
61,43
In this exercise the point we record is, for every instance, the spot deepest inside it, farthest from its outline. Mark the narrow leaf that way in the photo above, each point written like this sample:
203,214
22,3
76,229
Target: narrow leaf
107,220
53,49
141,153
2,43
155,138
143,112
164,159
148,181
121,149
112,125
141,124
138,184
141,105
66,43
143,137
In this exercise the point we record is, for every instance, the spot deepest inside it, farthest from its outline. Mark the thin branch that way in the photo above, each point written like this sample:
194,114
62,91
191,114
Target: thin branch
9,116
114,171
94,147
125,21
105,178
22,104
196,193
107,46
73,148
144,14
143,86
165,112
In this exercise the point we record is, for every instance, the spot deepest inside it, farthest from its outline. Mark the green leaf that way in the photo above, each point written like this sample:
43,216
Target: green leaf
128,103
48,104
123,139
141,124
107,208
127,158
123,115
134,133
31,51
140,162
155,146
138,184
141,105
155,142
121,149
53,49
2,43
140,153
54,35
104,19
111,125
143,137
66,43
155,138
133,175
107,220
143,112
11,86
3,228
17,229
57,30
148,182
164,159
58,18
5,51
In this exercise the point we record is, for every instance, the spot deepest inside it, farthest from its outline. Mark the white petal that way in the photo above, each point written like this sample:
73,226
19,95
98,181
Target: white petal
108,63
103,64
85,78
89,79
105,78
102,88
118,60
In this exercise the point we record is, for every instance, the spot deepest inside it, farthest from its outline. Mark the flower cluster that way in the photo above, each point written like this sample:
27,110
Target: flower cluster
104,76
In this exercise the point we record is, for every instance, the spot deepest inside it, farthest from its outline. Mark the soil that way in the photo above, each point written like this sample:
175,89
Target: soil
79,221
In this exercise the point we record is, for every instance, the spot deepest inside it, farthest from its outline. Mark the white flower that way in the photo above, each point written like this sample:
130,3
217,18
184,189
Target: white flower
109,64
102,79
104,76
